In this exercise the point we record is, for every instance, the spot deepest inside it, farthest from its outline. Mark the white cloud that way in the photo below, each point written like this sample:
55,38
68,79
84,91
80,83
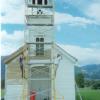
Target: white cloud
61,18
11,4
11,41
13,17
13,11
90,8
84,55
93,11
95,44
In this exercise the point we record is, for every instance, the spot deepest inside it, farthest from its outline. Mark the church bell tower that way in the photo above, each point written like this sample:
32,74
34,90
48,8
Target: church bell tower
39,26
39,38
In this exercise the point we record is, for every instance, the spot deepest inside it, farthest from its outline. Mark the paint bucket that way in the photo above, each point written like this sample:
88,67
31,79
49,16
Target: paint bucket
32,95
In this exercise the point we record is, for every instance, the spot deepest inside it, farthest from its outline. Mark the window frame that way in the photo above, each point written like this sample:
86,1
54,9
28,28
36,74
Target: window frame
45,2
39,46
33,2
39,2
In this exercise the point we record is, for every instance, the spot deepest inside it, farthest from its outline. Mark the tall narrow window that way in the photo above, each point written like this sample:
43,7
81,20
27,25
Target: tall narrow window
40,2
45,2
41,39
33,1
39,46
37,39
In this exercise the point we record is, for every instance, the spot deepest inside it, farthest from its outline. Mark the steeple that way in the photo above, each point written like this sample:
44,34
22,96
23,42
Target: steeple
39,24
39,33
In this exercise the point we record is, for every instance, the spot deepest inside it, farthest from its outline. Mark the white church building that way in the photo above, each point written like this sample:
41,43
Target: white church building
40,69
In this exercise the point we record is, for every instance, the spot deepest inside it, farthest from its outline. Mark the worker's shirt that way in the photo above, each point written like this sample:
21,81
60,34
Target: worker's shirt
21,61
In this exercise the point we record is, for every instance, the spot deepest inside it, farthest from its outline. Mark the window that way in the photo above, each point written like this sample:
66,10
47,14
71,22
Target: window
39,46
40,2
45,2
37,39
41,39
33,1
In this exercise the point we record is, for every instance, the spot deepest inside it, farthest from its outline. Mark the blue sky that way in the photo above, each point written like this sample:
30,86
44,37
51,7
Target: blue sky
77,27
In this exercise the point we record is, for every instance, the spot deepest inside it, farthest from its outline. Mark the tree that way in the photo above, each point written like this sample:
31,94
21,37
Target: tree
80,80
87,83
96,85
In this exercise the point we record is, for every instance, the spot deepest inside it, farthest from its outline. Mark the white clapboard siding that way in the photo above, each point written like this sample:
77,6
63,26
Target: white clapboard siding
65,82
14,92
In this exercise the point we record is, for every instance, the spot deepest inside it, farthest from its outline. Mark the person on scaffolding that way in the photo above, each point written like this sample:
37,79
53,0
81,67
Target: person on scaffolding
22,66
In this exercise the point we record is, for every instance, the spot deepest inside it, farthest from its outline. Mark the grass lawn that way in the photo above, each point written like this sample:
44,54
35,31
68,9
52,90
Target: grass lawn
89,94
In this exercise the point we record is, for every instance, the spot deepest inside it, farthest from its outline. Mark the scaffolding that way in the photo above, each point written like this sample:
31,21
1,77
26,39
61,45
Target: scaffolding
39,25
41,61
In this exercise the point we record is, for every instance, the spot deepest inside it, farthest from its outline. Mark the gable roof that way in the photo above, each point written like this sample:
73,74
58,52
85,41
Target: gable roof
60,49
24,47
15,54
